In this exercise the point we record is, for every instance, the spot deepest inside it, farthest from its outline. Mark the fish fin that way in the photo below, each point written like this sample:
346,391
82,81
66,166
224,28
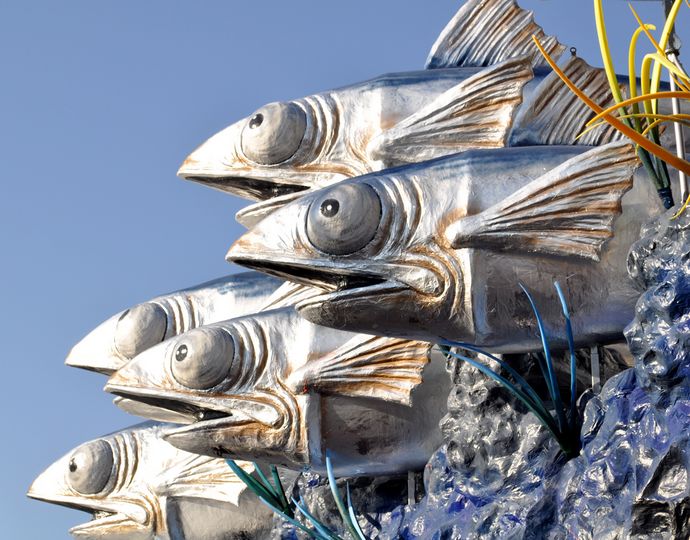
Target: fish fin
568,211
476,113
367,366
486,32
555,115
204,477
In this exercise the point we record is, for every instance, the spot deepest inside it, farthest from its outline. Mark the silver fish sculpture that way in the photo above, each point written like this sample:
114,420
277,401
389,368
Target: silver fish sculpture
274,387
139,487
438,250
485,86
124,335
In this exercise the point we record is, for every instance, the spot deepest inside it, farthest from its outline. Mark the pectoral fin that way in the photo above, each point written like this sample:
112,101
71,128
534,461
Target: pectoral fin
477,113
203,477
367,366
569,211
555,115
486,32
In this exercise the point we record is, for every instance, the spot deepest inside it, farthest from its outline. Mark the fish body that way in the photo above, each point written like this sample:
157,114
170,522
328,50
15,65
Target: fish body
139,487
124,335
439,250
273,386
349,131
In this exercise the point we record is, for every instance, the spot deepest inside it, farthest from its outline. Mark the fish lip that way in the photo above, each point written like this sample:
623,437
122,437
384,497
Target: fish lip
162,415
332,297
98,521
252,214
206,425
162,400
194,434
102,371
186,406
245,186
101,513
312,272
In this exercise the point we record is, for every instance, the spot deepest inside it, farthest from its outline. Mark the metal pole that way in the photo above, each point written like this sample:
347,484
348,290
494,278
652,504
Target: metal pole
678,129
673,52
596,372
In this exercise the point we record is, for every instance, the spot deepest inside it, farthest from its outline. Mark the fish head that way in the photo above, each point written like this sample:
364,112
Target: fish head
98,477
120,338
372,244
281,149
125,335
224,379
286,148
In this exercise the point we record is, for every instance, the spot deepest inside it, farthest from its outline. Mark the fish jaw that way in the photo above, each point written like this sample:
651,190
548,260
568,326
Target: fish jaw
144,410
161,399
357,292
112,517
252,214
283,443
96,351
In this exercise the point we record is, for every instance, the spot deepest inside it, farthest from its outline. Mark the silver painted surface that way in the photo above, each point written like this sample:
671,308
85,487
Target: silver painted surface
288,390
117,340
138,487
486,92
458,235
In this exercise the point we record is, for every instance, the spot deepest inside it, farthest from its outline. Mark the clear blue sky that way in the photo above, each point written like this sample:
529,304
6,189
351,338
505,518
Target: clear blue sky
99,104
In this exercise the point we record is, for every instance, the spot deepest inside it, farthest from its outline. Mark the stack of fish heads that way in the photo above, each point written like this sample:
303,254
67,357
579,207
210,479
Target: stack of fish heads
465,99
126,334
389,246
380,253
137,486
276,387
485,86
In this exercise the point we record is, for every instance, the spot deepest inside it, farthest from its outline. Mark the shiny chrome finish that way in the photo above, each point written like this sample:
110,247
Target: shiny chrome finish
128,333
458,235
139,487
292,390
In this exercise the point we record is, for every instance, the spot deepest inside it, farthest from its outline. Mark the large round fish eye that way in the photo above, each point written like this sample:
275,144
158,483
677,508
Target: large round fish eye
202,358
344,219
90,467
140,328
274,133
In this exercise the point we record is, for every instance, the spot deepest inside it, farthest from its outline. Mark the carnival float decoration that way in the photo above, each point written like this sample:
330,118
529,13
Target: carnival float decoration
439,283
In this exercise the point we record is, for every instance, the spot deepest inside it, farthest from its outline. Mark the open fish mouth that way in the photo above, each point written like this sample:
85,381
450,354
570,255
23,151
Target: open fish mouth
102,520
144,410
345,281
105,515
247,187
192,409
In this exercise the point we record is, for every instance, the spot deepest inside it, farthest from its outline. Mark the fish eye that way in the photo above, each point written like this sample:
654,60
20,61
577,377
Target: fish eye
90,467
344,219
140,328
256,121
202,358
274,133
